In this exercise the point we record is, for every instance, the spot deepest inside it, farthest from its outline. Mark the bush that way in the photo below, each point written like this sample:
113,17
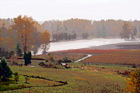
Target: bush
50,58
48,65
60,61
51,65
11,54
26,78
42,64
4,53
16,76
134,82
66,60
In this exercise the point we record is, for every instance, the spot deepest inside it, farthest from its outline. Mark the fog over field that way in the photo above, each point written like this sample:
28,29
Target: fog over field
77,44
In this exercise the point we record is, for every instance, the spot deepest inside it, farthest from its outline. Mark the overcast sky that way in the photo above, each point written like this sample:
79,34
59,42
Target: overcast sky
42,10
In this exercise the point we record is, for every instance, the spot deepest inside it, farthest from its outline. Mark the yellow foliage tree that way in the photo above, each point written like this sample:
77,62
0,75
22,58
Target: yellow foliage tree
24,26
134,82
45,38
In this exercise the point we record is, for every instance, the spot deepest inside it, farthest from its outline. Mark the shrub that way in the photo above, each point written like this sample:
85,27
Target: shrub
134,82
16,76
48,65
11,54
66,60
42,64
26,78
51,65
60,61
4,53
50,58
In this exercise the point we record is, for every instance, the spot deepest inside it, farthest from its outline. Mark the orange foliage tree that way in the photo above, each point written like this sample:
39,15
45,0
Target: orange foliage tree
134,82
25,31
45,38
24,27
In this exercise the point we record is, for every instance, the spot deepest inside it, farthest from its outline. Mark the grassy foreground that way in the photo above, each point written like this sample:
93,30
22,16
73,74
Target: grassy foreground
101,77
79,81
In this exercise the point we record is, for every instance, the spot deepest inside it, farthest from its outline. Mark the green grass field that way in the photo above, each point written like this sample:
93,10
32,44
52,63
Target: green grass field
80,78
81,81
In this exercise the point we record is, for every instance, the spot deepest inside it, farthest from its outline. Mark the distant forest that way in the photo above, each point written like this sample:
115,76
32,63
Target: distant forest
73,29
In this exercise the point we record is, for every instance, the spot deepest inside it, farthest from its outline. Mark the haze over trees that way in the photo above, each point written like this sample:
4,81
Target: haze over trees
22,34
128,31
80,29
93,29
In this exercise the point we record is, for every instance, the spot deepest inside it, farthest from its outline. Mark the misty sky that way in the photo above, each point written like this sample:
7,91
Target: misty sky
42,10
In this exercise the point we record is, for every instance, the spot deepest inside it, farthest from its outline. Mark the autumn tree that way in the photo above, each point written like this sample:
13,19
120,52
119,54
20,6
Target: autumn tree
6,41
126,30
134,82
2,37
5,46
45,39
37,43
24,26
27,34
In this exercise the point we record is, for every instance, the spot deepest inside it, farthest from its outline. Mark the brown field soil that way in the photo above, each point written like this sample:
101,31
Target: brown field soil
128,57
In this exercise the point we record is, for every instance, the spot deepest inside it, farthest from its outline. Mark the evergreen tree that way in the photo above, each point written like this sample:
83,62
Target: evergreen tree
5,71
27,58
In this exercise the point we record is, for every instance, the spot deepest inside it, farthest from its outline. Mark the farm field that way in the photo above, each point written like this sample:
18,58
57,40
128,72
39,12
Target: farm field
107,77
61,55
128,57
89,51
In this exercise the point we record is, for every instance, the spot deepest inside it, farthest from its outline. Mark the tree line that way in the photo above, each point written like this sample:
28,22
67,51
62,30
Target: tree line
83,29
93,29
